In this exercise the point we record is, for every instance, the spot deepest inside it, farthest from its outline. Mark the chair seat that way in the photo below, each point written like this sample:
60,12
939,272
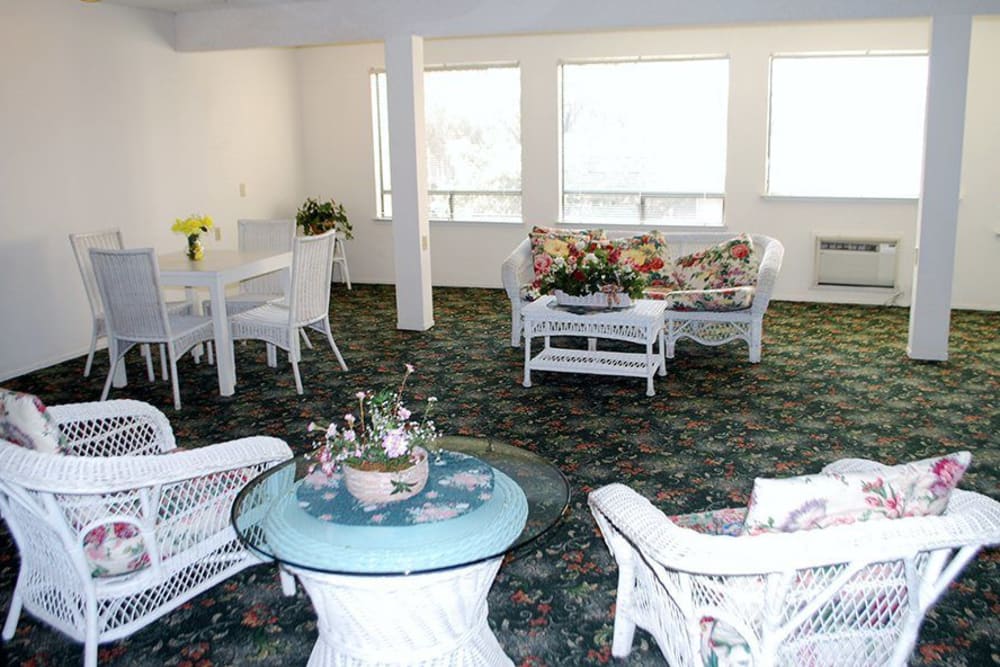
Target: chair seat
240,303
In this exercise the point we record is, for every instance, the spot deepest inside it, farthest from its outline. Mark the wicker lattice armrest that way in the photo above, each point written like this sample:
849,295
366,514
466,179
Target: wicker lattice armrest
74,475
971,519
113,428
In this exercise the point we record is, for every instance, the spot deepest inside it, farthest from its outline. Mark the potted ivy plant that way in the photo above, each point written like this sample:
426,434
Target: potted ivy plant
316,217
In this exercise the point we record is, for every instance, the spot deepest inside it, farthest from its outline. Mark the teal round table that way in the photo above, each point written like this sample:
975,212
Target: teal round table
404,583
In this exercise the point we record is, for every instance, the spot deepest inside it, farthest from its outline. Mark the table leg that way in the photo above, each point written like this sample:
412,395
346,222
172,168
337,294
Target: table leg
225,363
663,359
527,355
650,369
434,620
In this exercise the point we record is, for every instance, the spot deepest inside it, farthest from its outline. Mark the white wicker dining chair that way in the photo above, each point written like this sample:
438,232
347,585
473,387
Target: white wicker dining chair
842,596
110,239
116,478
279,323
135,312
255,236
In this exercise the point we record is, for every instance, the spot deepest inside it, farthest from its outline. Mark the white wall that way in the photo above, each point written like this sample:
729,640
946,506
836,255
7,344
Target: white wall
103,124
339,162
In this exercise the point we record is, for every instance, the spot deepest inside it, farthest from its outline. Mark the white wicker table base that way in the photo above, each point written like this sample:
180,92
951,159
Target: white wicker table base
642,325
422,620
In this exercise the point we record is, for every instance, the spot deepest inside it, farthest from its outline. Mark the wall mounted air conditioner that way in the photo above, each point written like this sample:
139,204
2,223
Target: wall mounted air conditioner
843,261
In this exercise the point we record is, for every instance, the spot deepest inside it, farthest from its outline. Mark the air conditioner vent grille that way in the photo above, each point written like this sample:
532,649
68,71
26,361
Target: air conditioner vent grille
856,262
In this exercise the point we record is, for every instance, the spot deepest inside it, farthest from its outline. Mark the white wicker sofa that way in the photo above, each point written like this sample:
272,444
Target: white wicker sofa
706,327
117,491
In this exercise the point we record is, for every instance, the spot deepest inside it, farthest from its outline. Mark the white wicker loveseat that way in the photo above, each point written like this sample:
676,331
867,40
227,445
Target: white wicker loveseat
847,595
116,477
706,327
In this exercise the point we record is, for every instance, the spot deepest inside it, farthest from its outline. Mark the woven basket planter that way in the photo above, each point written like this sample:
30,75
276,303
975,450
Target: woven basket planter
374,487
598,300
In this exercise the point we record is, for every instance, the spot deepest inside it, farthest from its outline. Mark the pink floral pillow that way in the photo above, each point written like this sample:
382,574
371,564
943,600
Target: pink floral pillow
650,256
920,488
733,263
115,548
547,244
25,422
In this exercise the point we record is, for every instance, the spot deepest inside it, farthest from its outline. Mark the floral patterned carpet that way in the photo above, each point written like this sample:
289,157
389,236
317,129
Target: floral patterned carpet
834,382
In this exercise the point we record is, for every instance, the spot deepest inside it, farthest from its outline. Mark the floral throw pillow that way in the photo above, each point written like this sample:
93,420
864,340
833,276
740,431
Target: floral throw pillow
547,244
727,521
733,263
730,298
920,488
25,422
650,256
115,548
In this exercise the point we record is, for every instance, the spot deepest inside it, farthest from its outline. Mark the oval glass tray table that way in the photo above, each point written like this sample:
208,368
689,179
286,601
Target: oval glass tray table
404,583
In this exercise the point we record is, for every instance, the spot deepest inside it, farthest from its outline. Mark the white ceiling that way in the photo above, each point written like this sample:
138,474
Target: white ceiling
193,5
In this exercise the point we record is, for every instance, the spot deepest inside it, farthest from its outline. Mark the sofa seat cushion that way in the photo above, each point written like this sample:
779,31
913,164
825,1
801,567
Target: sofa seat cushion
919,488
115,548
732,263
730,298
547,244
24,421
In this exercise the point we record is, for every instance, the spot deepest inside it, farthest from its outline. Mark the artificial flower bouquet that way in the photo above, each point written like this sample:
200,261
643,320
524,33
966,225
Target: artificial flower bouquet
192,227
381,437
593,267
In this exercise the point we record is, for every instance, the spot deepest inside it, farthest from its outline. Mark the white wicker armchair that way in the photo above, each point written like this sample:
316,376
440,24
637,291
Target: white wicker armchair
847,595
117,472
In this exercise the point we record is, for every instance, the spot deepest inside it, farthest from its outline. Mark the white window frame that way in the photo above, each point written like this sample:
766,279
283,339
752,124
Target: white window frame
643,197
382,194
830,194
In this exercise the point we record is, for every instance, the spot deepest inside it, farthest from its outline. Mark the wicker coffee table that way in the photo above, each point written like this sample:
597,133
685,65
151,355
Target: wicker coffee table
641,323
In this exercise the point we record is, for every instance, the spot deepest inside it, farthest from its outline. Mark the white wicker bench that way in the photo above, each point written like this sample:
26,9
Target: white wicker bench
705,327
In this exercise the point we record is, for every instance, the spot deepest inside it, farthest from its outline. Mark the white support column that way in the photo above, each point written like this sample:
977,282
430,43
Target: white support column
937,217
404,67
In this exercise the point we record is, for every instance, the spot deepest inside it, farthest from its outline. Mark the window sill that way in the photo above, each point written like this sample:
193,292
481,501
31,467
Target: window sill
436,221
840,200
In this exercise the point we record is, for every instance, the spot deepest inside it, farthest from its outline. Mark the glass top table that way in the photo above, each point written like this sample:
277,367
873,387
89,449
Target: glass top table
354,594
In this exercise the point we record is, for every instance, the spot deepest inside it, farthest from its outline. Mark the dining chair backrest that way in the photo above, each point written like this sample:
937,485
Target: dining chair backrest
129,282
258,235
108,239
312,264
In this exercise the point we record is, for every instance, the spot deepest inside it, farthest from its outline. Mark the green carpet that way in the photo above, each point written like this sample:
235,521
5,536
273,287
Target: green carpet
834,382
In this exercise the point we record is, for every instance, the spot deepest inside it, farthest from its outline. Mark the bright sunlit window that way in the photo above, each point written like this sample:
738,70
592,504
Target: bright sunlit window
473,138
644,142
847,125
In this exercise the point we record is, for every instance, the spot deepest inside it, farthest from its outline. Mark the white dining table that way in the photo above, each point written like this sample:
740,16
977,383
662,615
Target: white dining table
216,270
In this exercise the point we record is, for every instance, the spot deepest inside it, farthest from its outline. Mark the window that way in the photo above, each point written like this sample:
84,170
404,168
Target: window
846,125
644,141
473,137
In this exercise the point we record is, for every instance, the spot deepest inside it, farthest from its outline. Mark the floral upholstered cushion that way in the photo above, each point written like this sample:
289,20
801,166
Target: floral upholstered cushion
650,256
732,263
24,421
730,298
817,501
115,548
547,244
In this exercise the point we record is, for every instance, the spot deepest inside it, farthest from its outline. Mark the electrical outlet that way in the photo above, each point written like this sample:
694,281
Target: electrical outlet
423,242
243,189
218,233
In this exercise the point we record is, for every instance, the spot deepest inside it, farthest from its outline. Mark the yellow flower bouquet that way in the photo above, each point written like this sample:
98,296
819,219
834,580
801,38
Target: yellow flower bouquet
192,227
